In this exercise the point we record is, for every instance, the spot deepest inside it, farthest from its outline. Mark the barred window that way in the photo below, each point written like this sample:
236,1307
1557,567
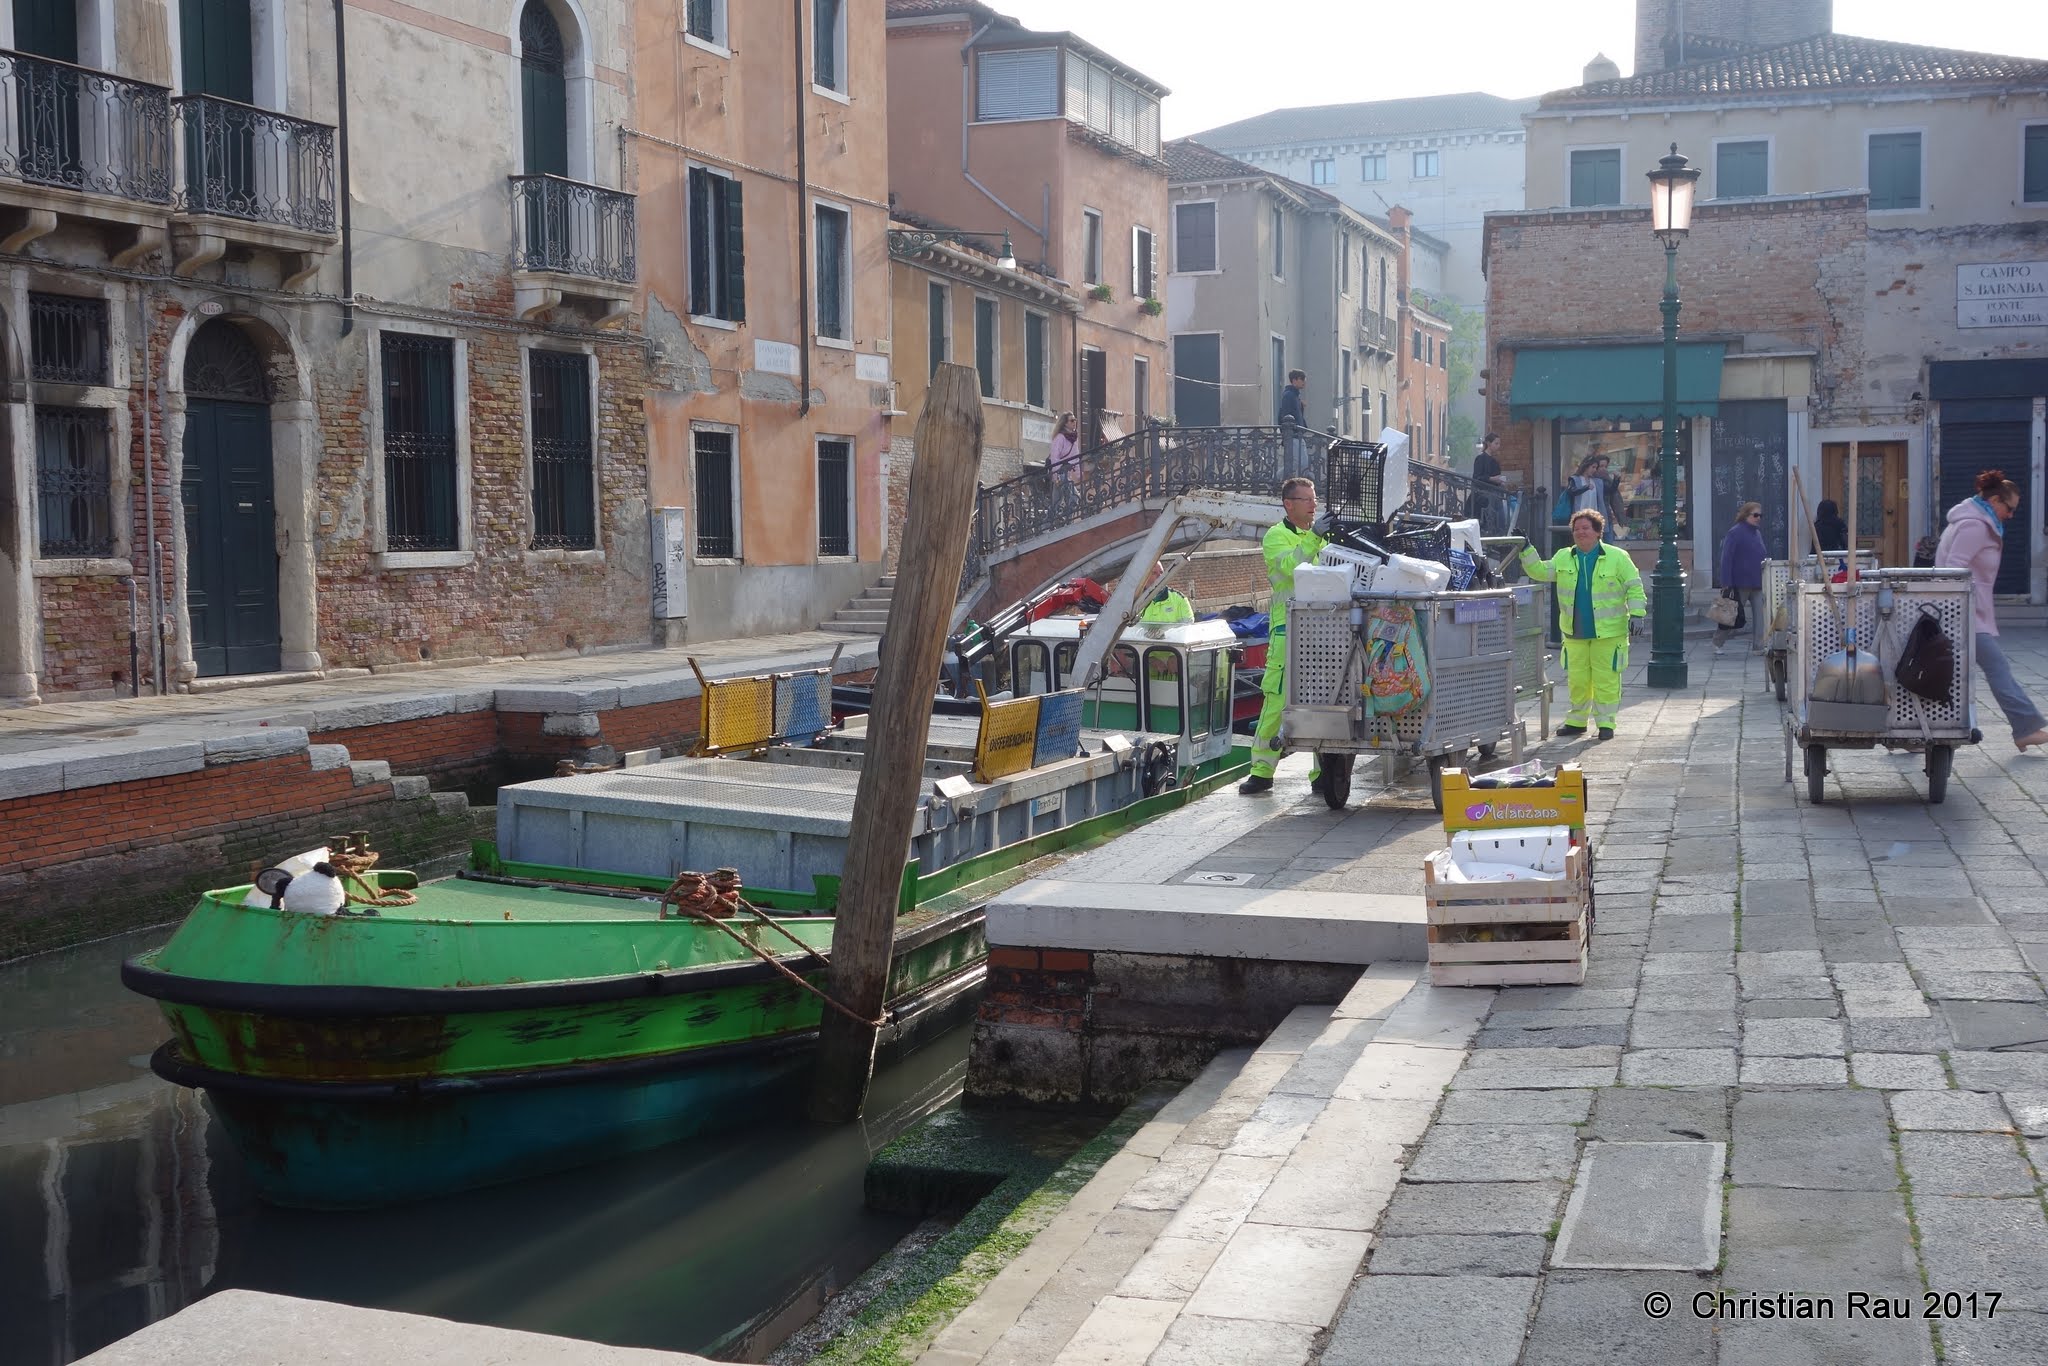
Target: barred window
67,341
74,483
564,511
419,442
835,497
718,499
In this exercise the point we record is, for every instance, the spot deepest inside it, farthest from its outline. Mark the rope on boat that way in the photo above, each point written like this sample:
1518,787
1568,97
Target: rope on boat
713,899
354,865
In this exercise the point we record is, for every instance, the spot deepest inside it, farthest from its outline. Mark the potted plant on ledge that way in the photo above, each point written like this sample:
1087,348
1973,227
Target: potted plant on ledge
1102,294
1151,308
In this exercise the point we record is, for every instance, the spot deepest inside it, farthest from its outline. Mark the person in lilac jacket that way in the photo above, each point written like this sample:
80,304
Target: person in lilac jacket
1742,574
1975,540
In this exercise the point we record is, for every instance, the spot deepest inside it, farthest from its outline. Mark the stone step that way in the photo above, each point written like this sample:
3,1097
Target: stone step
854,628
1282,1158
861,612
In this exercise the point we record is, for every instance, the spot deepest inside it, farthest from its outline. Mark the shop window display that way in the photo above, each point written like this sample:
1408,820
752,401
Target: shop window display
1633,451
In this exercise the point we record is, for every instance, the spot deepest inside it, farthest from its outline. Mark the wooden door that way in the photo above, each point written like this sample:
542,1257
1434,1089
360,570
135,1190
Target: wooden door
1094,380
231,575
1882,495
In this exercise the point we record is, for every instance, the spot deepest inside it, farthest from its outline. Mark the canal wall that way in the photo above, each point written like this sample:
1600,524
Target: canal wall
1097,989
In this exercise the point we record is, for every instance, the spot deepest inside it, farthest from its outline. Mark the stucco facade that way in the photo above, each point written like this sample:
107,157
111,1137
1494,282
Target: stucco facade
1080,204
757,397
221,392
1263,268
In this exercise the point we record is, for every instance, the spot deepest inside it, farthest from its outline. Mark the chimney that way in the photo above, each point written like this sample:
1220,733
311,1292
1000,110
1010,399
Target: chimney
1398,218
1601,68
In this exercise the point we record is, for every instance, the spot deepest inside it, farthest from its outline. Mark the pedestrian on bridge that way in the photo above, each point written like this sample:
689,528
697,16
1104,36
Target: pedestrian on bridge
1290,544
1292,419
1600,599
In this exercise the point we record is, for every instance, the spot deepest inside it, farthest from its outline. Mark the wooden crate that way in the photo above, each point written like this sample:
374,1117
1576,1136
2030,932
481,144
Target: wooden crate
1455,909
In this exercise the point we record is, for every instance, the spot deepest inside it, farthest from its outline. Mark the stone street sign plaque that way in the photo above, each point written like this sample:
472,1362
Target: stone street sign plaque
2002,294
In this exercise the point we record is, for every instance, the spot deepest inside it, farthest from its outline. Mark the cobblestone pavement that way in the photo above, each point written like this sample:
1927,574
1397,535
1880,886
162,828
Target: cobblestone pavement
1828,1020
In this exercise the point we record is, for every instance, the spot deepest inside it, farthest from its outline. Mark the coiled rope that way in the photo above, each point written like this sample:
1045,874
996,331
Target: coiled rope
713,898
355,864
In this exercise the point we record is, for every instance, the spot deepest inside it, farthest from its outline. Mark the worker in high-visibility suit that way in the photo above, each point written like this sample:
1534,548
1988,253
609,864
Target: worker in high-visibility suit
1599,601
1167,608
1288,545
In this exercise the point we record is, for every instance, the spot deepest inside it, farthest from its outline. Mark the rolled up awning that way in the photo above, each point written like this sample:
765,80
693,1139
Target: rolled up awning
1613,383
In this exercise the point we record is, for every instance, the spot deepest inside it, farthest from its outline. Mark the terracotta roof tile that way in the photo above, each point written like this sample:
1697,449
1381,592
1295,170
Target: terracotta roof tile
1831,62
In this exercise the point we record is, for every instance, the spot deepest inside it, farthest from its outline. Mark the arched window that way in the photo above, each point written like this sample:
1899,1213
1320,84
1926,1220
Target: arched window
544,91
223,363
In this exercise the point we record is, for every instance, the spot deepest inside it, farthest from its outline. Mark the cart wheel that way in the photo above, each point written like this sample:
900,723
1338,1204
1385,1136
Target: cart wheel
1940,759
1816,773
1777,671
1337,780
1486,753
1437,764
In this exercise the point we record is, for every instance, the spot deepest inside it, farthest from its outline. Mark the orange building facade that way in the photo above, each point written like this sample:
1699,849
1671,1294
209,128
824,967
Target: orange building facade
759,144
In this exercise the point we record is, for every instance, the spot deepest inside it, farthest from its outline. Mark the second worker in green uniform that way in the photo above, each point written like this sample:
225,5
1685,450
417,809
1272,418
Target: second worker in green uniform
1287,546
1599,599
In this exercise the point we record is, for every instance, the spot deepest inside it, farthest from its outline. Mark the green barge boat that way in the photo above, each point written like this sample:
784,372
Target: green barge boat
532,1014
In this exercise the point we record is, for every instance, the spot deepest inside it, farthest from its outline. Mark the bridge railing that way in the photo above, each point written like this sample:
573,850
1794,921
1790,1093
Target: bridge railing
1155,464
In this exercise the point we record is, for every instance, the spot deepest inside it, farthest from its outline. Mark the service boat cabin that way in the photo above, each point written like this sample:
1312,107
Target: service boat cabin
1188,671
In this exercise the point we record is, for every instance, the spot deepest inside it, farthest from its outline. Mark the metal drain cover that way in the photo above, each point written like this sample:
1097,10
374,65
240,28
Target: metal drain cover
1212,879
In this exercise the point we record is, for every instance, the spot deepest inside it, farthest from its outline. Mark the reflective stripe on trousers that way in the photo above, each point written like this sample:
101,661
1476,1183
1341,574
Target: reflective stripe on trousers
1593,670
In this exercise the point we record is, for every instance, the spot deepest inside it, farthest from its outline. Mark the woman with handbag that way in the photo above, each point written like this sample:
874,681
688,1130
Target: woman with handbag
1975,540
1742,578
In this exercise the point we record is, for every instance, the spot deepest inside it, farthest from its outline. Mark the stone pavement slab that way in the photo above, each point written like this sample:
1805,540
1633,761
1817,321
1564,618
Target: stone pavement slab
1597,1316
1430,1320
1645,1207
1281,1275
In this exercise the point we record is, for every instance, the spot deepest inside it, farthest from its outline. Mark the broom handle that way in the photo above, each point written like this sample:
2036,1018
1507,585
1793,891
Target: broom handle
1827,586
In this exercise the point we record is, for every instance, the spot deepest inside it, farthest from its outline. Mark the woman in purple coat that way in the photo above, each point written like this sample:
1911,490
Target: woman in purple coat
1742,573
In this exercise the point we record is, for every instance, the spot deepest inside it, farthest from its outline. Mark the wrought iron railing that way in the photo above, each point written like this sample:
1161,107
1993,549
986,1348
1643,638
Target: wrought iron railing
572,228
1377,331
74,484
78,129
1157,463
249,163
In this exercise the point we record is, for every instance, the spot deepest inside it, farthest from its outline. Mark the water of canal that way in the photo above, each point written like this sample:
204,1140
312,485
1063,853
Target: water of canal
121,1202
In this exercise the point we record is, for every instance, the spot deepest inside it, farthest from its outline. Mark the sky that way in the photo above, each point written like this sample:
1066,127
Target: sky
1225,60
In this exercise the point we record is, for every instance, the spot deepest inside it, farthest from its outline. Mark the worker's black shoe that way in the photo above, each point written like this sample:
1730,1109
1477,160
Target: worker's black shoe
1606,732
1571,730
1254,785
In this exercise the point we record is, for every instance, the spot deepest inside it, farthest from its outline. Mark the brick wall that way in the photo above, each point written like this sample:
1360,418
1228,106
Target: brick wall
98,860
1217,579
1768,275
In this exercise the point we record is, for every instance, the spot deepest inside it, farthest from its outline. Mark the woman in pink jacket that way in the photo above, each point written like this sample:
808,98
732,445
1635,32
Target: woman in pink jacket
1975,540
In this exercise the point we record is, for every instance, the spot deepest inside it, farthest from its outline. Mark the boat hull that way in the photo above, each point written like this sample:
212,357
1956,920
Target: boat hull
353,1145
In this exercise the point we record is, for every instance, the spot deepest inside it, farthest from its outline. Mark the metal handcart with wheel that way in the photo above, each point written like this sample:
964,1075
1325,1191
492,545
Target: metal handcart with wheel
1466,646
1779,575
1532,649
1882,608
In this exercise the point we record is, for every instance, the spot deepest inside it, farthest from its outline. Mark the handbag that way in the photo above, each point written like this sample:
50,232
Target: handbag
1561,510
1726,610
1927,666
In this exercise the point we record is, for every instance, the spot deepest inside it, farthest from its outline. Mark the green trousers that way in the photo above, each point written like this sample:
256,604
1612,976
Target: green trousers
1593,669
1266,740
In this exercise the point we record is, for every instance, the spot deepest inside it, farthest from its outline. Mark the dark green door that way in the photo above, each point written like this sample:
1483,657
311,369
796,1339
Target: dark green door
543,91
46,97
230,542
218,59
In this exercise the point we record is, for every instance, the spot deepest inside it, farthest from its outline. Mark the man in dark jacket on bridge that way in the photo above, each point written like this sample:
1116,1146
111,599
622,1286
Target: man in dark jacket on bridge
1293,423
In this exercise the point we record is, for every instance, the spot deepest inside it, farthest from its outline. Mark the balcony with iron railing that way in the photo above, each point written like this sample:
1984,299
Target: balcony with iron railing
573,241
84,144
1376,332
253,178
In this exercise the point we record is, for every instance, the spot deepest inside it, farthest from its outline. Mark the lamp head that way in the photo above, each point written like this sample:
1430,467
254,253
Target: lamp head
1671,194
1008,260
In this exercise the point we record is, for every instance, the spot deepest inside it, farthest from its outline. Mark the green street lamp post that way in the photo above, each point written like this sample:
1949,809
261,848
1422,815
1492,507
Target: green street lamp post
1671,193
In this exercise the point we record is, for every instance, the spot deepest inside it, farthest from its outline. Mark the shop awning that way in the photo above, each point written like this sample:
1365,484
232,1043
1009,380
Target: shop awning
1613,383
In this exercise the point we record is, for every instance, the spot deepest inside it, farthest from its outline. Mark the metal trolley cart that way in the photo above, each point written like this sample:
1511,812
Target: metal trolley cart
1468,647
1778,578
1883,609
1532,649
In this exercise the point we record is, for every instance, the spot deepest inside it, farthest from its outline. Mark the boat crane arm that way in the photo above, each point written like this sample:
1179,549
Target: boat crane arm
980,639
1220,511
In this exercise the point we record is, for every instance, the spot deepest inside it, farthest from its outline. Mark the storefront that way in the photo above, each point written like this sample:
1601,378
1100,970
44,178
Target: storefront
1989,414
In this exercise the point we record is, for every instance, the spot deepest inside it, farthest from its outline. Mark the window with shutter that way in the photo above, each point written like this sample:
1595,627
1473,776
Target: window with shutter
1141,390
1091,247
1279,245
828,44
1742,170
718,493
2034,167
835,497
1035,361
1141,263
558,399
939,324
1194,237
705,20
835,270
718,257
1894,171
419,442
985,344
1018,83
1596,177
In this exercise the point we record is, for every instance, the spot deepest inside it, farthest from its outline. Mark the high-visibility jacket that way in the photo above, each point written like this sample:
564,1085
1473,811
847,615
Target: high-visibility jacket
1168,609
1617,588
1287,548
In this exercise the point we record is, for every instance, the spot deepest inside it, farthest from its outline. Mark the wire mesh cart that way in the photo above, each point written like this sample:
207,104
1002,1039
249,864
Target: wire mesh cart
1468,649
1778,578
1883,608
1532,649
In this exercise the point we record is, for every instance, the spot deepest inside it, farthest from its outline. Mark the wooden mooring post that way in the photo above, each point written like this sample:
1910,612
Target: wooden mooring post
941,513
